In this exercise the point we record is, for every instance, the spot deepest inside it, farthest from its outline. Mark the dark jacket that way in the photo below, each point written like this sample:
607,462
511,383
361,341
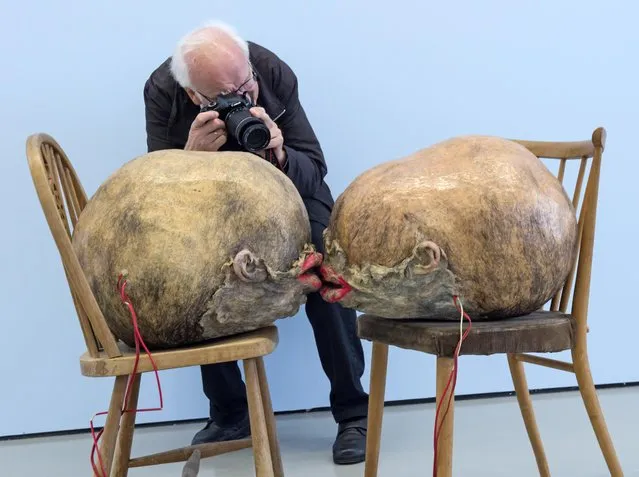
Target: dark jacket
170,112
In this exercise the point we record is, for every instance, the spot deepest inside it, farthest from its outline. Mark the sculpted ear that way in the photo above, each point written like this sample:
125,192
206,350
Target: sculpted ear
249,268
426,257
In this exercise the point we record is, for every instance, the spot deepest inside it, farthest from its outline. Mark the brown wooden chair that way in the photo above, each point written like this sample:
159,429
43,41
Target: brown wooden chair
63,198
546,331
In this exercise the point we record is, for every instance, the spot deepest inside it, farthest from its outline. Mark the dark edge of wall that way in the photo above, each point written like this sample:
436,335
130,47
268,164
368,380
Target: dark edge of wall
405,402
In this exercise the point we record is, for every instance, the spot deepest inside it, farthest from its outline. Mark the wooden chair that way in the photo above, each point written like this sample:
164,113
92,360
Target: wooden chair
545,331
63,198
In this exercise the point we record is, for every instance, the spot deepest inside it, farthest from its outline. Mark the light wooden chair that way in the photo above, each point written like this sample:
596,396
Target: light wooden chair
546,331
62,198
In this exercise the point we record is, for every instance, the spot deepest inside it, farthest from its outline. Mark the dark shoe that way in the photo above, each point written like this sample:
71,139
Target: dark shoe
350,444
213,432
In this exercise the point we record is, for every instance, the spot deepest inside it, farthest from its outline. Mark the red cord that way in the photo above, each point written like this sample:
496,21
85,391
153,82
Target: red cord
270,157
452,378
138,339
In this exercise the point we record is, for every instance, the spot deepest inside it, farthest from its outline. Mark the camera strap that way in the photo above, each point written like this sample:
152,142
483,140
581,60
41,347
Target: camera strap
270,157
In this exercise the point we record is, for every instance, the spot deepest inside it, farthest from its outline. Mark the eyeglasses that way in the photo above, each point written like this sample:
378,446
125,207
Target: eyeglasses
252,77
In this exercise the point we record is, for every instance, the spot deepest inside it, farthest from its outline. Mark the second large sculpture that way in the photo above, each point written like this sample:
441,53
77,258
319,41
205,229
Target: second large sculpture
476,217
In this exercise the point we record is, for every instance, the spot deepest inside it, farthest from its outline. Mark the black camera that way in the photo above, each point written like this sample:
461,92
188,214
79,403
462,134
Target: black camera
250,132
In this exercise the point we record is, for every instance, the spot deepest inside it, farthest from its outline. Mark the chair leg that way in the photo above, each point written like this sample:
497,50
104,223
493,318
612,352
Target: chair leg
445,439
122,456
525,405
261,446
591,402
271,425
112,425
379,366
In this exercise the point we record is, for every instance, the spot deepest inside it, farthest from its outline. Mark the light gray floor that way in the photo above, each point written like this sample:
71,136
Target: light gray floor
490,441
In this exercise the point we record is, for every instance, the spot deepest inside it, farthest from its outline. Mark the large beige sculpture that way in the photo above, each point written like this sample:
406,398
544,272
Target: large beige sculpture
477,217
211,244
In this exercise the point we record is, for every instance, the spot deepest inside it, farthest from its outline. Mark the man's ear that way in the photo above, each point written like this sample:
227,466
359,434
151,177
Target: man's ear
193,96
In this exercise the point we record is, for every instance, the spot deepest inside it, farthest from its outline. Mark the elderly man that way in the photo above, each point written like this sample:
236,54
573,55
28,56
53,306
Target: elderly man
211,61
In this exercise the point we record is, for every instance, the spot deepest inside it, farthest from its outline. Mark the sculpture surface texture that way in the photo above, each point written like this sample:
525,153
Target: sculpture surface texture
210,244
477,217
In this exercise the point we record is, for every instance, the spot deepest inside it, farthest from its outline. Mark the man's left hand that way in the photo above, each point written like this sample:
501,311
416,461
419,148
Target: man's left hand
277,140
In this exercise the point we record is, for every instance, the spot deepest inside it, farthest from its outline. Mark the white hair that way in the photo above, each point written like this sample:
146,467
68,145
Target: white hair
209,34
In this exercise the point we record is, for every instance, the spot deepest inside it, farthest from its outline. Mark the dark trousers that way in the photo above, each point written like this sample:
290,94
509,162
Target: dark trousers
340,352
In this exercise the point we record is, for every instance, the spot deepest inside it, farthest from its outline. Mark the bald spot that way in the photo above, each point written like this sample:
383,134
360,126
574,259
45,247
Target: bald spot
217,65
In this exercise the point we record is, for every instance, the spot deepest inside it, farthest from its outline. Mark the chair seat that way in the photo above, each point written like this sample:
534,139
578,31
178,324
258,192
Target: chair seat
234,348
538,332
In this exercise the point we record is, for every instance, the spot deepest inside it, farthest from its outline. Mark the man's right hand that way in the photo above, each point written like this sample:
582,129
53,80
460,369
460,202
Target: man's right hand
208,133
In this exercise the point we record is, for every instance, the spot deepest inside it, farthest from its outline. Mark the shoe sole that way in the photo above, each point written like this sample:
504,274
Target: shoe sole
244,434
349,461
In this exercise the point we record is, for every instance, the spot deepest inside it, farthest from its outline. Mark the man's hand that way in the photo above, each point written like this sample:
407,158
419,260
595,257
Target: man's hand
208,133
277,140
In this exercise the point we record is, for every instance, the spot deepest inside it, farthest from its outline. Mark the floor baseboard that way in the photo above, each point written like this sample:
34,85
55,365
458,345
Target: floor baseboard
403,402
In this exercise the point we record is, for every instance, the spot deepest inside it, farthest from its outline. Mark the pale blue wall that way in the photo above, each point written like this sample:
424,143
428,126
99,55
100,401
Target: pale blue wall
378,80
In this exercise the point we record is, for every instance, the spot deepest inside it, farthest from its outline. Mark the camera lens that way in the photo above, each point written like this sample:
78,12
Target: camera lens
255,136
250,132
